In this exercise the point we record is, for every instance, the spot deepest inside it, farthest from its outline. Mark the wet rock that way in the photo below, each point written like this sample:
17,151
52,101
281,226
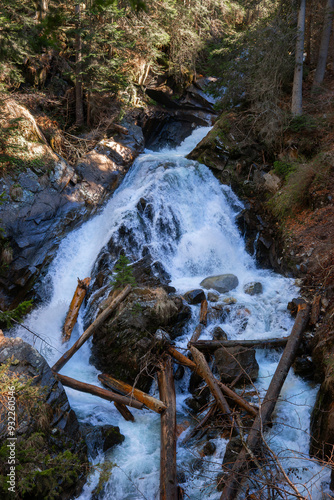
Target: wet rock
201,397
223,283
179,373
233,448
235,361
219,334
213,297
303,366
103,436
209,448
121,346
194,296
50,416
255,288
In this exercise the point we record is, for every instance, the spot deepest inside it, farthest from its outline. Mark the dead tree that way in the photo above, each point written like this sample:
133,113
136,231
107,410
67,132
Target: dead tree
73,311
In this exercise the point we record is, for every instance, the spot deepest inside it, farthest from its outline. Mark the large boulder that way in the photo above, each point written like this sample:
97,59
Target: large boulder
122,345
52,454
236,361
223,283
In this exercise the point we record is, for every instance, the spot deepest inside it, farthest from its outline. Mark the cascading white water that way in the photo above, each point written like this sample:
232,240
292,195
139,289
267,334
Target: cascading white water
190,230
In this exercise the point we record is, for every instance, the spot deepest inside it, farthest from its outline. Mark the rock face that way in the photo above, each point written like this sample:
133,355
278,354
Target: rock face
235,361
121,346
223,283
49,198
51,449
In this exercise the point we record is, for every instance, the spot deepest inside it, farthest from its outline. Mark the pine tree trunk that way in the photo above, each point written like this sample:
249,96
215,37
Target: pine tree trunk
323,51
297,90
42,7
308,38
79,113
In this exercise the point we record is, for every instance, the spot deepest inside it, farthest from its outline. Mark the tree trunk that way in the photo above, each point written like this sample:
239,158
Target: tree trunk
234,481
297,90
90,330
126,389
79,113
98,391
168,481
72,314
308,37
213,345
323,51
42,6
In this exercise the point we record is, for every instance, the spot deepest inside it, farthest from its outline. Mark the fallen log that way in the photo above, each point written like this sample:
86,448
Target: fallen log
198,331
97,391
124,411
204,371
90,330
168,481
238,399
203,319
232,485
183,360
212,345
129,391
73,311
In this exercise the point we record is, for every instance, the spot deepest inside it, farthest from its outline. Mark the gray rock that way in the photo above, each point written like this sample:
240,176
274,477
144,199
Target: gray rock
194,296
254,288
223,283
234,361
213,297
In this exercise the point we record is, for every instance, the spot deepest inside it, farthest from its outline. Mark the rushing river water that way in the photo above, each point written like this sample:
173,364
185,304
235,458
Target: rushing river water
193,235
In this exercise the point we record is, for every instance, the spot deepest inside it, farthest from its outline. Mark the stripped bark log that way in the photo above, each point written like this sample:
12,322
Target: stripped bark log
203,319
212,345
97,391
198,331
204,371
181,358
232,485
124,411
129,391
90,330
72,314
168,481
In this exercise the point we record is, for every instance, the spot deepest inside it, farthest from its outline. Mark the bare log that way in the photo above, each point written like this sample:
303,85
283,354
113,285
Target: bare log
97,391
90,330
203,319
127,390
168,481
198,331
233,483
181,358
204,371
124,411
238,399
212,345
73,311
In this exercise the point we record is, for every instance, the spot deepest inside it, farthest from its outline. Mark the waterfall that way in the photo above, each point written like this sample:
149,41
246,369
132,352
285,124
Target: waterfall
188,226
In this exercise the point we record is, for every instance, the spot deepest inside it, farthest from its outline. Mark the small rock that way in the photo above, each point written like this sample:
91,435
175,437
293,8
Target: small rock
229,300
223,283
213,297
254,288
194,296
233,448
219,334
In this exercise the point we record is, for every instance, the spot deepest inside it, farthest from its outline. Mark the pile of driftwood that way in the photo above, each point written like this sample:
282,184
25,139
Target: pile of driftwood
124,396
